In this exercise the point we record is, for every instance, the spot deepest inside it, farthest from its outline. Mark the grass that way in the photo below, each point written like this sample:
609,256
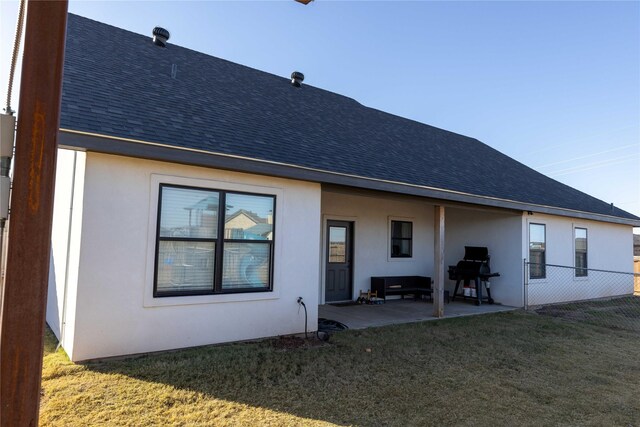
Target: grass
617,313
512,368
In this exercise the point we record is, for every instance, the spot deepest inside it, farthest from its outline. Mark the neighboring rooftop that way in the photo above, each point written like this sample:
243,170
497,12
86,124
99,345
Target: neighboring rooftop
254,217
119,85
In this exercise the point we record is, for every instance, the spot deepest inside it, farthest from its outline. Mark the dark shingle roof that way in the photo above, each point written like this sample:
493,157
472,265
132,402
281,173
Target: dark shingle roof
117,83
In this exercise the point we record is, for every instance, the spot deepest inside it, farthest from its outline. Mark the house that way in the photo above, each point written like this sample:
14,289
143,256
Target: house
198,199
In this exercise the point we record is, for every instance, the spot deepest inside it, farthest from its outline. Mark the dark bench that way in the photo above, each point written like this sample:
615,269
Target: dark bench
401,285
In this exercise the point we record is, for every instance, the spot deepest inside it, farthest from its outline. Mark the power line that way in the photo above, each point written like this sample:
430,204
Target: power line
594,165
589,155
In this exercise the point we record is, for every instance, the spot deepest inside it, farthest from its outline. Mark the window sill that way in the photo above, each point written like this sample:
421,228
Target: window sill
150,301
400,259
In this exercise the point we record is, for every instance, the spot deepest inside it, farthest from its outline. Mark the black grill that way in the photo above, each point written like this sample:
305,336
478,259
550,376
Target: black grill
473,267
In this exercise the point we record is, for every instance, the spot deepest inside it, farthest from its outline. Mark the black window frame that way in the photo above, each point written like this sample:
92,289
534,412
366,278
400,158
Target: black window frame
541,266
220,241
392,239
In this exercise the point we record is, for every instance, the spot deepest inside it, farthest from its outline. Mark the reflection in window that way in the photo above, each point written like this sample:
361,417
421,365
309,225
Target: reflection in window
246,265
188,213
185,266
537,251
337,244
190,251
580,236
248,217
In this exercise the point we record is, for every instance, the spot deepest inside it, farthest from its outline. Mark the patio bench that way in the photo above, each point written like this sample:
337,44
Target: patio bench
401,285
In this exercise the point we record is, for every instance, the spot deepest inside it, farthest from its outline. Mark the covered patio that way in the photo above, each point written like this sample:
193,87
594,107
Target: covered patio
361,316
371,246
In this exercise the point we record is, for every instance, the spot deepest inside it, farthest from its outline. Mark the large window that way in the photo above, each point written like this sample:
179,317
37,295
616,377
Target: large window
537,251
211,241
580,244
401,239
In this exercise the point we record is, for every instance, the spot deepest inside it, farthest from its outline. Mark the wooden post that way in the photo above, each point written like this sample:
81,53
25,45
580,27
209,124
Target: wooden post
438,291
25,291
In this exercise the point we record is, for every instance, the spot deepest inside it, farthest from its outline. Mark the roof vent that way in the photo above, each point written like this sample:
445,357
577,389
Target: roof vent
297,78
160,36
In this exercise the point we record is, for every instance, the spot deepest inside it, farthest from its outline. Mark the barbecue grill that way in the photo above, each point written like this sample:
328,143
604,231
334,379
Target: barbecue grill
474,266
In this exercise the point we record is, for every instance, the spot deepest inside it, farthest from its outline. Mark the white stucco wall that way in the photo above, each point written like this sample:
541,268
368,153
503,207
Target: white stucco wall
370,214
110,306
500,232
65,245
610,247
116,313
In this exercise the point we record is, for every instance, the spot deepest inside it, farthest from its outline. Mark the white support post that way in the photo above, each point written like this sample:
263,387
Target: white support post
438,291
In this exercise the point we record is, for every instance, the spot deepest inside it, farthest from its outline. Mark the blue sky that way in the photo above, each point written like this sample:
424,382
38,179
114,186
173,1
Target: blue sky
555,85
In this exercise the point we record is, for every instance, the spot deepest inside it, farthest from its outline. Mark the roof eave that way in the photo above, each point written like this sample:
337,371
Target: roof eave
153,151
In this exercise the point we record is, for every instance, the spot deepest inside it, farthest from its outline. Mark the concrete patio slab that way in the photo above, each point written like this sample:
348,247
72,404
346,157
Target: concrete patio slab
400,311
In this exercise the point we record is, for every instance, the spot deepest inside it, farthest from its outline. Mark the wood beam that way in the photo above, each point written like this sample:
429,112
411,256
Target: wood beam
438,291
22,319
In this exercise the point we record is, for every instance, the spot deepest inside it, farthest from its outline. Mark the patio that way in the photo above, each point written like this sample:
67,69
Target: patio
360,316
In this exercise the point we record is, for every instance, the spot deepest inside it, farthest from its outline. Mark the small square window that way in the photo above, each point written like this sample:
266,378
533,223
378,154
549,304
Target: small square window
401,239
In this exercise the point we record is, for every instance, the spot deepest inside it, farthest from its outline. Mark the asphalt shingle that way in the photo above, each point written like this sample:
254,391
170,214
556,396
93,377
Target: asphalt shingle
118,83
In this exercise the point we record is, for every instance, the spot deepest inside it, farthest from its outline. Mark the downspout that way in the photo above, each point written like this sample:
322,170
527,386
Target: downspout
66,267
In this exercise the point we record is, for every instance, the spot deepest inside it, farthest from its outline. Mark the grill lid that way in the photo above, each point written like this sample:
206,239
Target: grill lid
476,253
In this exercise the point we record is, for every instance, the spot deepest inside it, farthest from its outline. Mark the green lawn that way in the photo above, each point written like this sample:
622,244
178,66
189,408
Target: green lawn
510,369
